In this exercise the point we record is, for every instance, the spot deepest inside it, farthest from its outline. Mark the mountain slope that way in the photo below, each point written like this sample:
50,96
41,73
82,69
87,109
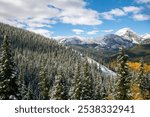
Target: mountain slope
35,54
139,51
113,42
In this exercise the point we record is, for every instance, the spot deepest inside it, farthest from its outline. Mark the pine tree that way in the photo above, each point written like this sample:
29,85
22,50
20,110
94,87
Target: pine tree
43,84
143,81
22,88
29,95
60,89
98,92
87,85
76,89
140,77
8,72
122,88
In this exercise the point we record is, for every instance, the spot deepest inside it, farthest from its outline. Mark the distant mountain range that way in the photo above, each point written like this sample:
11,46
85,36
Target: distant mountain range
123,37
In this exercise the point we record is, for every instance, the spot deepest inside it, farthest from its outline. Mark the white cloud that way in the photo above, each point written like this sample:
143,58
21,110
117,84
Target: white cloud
75,12
93,32
41,11
78,31
142,1
117,12
111,14
108,31
35,15
107,16
43,32
80,16
124,11
132,9
141,17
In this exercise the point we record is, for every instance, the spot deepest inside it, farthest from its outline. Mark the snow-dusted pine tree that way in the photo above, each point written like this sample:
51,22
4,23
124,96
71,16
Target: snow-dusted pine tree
76,89
140,77
143,81
22,88
29,95
8,72
87,84
123,81
60,89
43,84
98,92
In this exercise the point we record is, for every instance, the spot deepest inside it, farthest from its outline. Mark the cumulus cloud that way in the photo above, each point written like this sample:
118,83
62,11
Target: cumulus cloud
132,9
43,32
108,31
67,11
117,12
111,14
77,31
93,32
124,11
31,14
141,17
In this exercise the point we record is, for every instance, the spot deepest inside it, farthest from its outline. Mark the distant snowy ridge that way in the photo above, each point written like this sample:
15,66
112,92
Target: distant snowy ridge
124,37
71,40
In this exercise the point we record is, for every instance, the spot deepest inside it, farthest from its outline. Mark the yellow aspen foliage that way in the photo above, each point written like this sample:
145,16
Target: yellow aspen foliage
136,92
135,66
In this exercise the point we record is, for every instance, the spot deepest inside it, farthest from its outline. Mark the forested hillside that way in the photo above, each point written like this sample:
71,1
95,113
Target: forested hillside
45,67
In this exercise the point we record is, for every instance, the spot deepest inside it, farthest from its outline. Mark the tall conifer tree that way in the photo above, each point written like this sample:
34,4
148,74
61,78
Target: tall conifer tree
8,72
76,89
122,89
43,84
60,89
87,85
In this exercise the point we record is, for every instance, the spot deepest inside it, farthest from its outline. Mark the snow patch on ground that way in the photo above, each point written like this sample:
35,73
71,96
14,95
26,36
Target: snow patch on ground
104,69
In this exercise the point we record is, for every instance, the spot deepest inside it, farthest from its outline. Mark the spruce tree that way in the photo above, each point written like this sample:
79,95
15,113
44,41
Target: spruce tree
22,88
87,85
98,92
76,89
29,95
43,84
60,89
8,72
140,77
143,81
122,87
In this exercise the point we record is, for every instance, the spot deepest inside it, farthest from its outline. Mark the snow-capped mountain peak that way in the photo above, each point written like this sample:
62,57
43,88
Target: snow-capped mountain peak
124,31
129,34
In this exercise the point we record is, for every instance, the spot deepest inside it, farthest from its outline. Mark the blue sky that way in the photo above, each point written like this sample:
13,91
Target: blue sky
86,18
